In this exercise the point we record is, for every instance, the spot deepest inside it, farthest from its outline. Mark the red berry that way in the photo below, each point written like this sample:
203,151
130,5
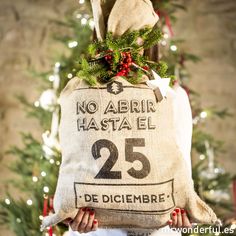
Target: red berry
119,74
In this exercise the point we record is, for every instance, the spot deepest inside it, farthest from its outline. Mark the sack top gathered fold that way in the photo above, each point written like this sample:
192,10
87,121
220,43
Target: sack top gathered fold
121,16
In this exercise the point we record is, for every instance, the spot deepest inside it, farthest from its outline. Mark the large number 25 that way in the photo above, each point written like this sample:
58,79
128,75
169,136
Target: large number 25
130,156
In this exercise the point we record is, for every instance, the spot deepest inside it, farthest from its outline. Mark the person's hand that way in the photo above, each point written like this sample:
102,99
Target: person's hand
84,221
179,219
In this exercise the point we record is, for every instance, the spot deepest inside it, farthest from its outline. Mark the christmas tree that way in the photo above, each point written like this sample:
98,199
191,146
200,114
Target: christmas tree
39,160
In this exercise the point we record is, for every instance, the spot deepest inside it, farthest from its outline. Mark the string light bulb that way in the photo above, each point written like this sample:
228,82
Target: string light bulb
203,114
35,178
173,48
7,201
69,76
46,189
58,163
36,104
165,36
29,202
51,78
84,21
163,43
202,157
57,64
72,44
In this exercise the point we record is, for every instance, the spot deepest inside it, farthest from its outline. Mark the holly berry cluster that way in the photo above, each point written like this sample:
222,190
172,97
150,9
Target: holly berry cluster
124,64
121,56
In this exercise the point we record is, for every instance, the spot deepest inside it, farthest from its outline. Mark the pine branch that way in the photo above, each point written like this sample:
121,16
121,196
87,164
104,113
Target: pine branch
112,54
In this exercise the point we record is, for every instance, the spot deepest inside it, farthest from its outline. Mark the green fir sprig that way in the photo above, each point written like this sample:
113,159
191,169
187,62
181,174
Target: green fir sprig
122,56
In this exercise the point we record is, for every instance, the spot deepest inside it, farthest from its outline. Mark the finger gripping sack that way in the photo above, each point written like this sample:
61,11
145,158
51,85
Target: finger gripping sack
120,157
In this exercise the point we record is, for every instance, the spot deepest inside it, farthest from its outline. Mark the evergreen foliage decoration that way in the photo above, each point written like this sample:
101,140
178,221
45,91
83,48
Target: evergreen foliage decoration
122,56
23,215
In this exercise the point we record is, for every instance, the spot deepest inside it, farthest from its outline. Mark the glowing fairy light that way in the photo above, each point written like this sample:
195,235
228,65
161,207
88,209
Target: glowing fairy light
173,48
57,64
72,44
58,163
165,36
46,189
69,76
51,78
35,178
203,114
43,174
36,103
202,157
163,43
81,1
41,217
7,201
29,202
84,21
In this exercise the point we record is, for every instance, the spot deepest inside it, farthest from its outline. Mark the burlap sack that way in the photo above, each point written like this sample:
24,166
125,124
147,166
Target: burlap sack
120,16
119,156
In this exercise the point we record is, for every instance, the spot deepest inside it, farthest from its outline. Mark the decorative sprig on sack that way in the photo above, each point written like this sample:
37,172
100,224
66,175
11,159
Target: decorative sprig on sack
122,56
